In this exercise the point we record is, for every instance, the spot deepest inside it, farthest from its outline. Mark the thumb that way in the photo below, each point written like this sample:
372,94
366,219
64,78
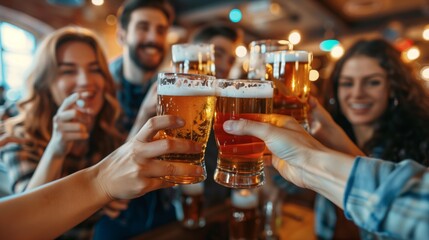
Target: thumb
248,127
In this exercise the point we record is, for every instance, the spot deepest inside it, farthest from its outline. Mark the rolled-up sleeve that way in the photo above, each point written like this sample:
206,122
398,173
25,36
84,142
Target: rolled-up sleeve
390,199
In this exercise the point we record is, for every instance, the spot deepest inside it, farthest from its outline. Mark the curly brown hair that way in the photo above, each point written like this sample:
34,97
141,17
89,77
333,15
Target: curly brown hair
403,129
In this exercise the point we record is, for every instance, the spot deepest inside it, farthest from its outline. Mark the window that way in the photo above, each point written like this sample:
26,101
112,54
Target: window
17,47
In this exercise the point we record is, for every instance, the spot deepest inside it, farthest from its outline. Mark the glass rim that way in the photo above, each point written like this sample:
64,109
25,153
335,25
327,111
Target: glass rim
197,76
243,80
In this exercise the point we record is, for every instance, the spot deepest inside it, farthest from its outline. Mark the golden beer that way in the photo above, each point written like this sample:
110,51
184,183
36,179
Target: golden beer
194,58
289,71
244,218
240,163
192,97
192,203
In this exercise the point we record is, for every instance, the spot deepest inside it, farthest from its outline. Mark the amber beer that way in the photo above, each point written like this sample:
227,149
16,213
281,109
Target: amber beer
192,204
244,218
194,58
289,71
191,97
240,163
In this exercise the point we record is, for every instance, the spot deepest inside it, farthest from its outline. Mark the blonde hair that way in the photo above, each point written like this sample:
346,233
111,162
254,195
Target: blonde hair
37,108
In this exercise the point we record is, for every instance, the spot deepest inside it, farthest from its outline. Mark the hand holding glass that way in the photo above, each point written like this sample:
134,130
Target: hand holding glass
192,97
240,163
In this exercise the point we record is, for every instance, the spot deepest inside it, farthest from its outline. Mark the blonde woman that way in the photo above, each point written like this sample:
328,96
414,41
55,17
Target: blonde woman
68,115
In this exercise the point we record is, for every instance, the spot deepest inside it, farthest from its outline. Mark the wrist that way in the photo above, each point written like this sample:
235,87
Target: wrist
327,173
95,183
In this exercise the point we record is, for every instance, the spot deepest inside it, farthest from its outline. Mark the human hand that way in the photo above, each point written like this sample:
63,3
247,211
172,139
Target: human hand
114,208
69,125
328,132
133,170
291,145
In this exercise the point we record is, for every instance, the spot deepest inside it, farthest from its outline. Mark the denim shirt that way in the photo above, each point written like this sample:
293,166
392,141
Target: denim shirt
389,199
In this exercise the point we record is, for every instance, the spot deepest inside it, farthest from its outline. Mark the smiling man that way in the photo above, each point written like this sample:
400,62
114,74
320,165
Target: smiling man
142,32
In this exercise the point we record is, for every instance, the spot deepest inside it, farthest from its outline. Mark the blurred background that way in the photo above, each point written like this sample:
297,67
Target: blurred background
324,27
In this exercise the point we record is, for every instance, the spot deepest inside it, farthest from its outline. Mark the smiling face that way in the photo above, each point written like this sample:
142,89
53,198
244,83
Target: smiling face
79,71
145,37
363,90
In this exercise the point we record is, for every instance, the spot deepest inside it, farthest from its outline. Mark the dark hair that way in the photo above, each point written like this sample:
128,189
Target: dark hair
129,6
403,129
206,33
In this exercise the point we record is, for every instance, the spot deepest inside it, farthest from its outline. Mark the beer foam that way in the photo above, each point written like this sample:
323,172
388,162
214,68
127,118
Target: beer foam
186,90
193,189
244,198
192,52
246,89
288,56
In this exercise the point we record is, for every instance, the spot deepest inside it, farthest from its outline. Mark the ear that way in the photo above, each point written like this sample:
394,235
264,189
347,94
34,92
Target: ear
121,36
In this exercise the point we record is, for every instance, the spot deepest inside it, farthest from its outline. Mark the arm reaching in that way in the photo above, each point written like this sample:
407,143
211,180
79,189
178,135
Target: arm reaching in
382,197
129,172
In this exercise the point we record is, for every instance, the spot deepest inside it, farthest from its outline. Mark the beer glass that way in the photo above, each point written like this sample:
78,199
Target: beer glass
258,50
240,163
289,71
193,58
244,217
192,203
192,97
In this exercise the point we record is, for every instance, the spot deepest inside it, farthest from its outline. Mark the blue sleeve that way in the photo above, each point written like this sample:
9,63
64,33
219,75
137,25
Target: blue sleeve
390,199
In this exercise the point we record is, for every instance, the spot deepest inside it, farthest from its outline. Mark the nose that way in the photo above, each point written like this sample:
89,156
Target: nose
83,78
152,35
358,90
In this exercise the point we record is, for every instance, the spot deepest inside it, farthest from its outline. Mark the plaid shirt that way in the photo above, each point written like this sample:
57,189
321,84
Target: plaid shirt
129,95
389,199
21,162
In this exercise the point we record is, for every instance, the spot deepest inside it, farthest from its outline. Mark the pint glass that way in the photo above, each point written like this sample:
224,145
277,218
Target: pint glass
289,71
193,58
240,163
192,97
244,219
192,204
258,50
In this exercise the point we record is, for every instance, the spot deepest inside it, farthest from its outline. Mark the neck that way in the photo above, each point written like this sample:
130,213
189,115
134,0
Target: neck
134,74
363,133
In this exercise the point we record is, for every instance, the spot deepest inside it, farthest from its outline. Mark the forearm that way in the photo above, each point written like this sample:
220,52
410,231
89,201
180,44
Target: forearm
327,173
48,169
48,211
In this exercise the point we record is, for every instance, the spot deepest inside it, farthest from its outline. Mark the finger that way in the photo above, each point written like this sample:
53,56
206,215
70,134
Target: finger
153,184
118,205
166,146
68,101
153,125
160,168
66,115
112,214
71,136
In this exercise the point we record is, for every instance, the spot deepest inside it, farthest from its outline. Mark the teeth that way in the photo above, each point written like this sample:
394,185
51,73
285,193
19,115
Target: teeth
87,94
151,50
359,105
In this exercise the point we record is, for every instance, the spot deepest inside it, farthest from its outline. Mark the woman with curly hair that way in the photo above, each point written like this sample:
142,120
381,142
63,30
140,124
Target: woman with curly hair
381,105
67,115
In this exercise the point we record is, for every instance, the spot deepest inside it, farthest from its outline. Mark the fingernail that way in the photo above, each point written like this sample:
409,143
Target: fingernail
228,126
180,121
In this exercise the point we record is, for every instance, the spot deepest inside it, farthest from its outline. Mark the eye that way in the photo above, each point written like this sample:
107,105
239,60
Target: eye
345,84
67,71
374,82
